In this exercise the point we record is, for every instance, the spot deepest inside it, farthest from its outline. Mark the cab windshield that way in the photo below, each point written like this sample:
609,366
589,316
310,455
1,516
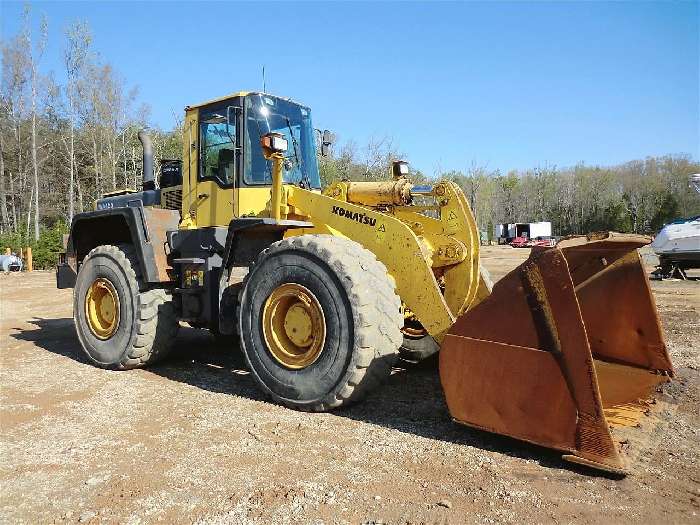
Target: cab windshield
265,114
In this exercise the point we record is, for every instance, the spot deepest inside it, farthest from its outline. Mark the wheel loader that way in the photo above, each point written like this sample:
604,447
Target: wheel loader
324,289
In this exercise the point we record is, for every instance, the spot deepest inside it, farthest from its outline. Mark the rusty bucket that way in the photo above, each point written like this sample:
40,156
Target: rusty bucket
567,347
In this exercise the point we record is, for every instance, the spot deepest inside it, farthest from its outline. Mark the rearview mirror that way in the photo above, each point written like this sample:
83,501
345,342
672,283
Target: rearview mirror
399,168
327,140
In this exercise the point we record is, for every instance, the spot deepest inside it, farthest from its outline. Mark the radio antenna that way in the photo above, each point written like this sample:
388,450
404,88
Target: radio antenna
263,76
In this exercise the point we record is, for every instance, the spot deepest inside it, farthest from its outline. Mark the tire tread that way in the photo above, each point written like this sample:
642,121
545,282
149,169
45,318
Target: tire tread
375,307
156,322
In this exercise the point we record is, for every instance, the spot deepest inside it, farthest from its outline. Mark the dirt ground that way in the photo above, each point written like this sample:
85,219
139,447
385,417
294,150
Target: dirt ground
193,440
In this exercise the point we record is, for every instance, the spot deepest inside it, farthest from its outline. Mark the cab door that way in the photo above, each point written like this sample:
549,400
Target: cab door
217,165
213,137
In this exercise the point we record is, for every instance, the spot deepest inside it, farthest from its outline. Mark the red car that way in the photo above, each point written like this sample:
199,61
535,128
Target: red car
524,242
519,242
541,241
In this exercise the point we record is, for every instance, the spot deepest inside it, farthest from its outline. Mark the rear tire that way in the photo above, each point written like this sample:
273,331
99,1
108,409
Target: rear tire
361,321
147,320
418,348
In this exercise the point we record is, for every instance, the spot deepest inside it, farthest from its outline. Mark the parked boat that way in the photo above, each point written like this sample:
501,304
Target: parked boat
678,244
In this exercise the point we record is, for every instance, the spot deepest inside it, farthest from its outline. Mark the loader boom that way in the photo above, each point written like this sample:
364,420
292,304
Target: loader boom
413,247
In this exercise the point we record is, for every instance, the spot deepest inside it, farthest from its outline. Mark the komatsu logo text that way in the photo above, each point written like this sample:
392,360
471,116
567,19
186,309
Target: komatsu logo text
354,215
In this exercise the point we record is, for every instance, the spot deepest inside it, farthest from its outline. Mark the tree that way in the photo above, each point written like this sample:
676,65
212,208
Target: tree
34,55
4,226
15,79
509,188
75,57
667,211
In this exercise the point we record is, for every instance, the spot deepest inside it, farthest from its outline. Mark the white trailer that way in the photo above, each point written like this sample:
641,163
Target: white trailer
540,229
505,233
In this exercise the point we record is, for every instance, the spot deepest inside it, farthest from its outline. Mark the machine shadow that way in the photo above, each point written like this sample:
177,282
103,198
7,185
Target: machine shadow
410,401
196,358
55,335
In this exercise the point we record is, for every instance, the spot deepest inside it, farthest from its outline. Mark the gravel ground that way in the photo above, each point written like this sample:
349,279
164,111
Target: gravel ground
193,440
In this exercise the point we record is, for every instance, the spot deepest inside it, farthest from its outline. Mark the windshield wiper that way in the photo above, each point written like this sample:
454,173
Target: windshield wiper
305,182
260,134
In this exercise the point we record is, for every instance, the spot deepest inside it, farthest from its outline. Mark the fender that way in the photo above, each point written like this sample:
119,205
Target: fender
145,228
248,236
245,239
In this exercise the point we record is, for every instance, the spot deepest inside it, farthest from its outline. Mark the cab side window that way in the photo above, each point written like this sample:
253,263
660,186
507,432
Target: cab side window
216,147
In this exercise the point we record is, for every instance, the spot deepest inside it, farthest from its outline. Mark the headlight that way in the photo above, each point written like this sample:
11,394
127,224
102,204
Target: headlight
274,142
279,144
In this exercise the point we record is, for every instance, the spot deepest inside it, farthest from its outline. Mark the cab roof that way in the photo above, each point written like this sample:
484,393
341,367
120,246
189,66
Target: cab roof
241,94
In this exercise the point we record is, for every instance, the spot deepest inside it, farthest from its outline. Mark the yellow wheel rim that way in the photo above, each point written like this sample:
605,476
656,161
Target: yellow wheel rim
294,326
411,327
102,308
414,332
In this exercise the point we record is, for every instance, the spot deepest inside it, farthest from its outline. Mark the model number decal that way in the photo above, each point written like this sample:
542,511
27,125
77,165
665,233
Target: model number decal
354,216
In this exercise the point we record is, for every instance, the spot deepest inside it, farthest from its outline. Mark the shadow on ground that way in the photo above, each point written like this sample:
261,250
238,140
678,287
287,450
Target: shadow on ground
411,401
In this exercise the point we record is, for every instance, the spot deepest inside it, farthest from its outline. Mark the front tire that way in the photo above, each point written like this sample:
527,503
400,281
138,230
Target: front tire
120,323
319,321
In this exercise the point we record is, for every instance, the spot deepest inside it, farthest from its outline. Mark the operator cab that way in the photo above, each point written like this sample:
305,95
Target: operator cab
230,131
224,173
221,151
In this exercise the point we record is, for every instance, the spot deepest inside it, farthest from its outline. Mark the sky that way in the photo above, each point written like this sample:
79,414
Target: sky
501,85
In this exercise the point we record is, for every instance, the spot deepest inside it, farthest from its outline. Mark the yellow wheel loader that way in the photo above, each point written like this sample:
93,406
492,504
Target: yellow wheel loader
325,289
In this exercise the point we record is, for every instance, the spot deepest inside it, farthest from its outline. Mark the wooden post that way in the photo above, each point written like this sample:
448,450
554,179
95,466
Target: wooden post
29,265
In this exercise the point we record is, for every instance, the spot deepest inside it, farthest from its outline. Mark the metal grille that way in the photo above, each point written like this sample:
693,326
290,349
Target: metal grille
172,199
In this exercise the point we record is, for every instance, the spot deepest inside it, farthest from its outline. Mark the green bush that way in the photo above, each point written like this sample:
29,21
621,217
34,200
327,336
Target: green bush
44,251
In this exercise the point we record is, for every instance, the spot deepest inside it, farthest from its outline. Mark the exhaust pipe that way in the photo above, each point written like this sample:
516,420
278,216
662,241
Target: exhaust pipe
148,176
